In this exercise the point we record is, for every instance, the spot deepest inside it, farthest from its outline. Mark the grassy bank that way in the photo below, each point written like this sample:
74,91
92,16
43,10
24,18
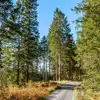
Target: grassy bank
86,95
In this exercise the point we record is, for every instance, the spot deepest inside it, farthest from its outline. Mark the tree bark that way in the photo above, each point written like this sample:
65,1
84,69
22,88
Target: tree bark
18,61
59,67
0,54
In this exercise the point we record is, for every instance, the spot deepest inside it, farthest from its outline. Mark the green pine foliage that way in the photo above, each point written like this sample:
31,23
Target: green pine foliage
61,46
88,44
30,35
5,11
19,42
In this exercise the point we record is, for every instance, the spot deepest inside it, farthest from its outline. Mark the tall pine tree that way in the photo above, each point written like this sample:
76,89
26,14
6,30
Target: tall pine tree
88,44
60,44
30,35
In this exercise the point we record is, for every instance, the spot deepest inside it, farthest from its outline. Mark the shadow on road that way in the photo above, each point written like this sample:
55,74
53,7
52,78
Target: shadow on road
68,87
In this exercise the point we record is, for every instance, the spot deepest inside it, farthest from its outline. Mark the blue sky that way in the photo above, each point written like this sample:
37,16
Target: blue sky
46,10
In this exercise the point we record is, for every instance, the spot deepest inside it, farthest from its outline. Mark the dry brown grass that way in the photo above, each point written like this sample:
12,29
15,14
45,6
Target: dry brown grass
97,96
33,91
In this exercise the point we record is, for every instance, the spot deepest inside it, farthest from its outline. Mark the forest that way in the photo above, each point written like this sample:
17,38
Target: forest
25,57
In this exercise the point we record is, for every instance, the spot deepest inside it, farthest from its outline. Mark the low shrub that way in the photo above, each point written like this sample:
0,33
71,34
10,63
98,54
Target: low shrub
51,89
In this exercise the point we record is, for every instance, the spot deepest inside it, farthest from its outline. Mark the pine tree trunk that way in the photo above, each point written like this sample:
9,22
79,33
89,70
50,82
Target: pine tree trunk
18,61
49,67
70,71
46,70
0,54
27,65
27,71
59,67
57,70
18,73
37,64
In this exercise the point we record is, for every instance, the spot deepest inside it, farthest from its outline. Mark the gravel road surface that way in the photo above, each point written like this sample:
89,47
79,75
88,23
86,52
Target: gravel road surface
65,93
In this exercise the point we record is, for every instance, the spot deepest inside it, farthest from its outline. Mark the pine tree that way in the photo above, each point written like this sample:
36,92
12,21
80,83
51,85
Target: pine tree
60,45
17,13
14,34
30,35
5,11
54,41
88,44
68,58
5,6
